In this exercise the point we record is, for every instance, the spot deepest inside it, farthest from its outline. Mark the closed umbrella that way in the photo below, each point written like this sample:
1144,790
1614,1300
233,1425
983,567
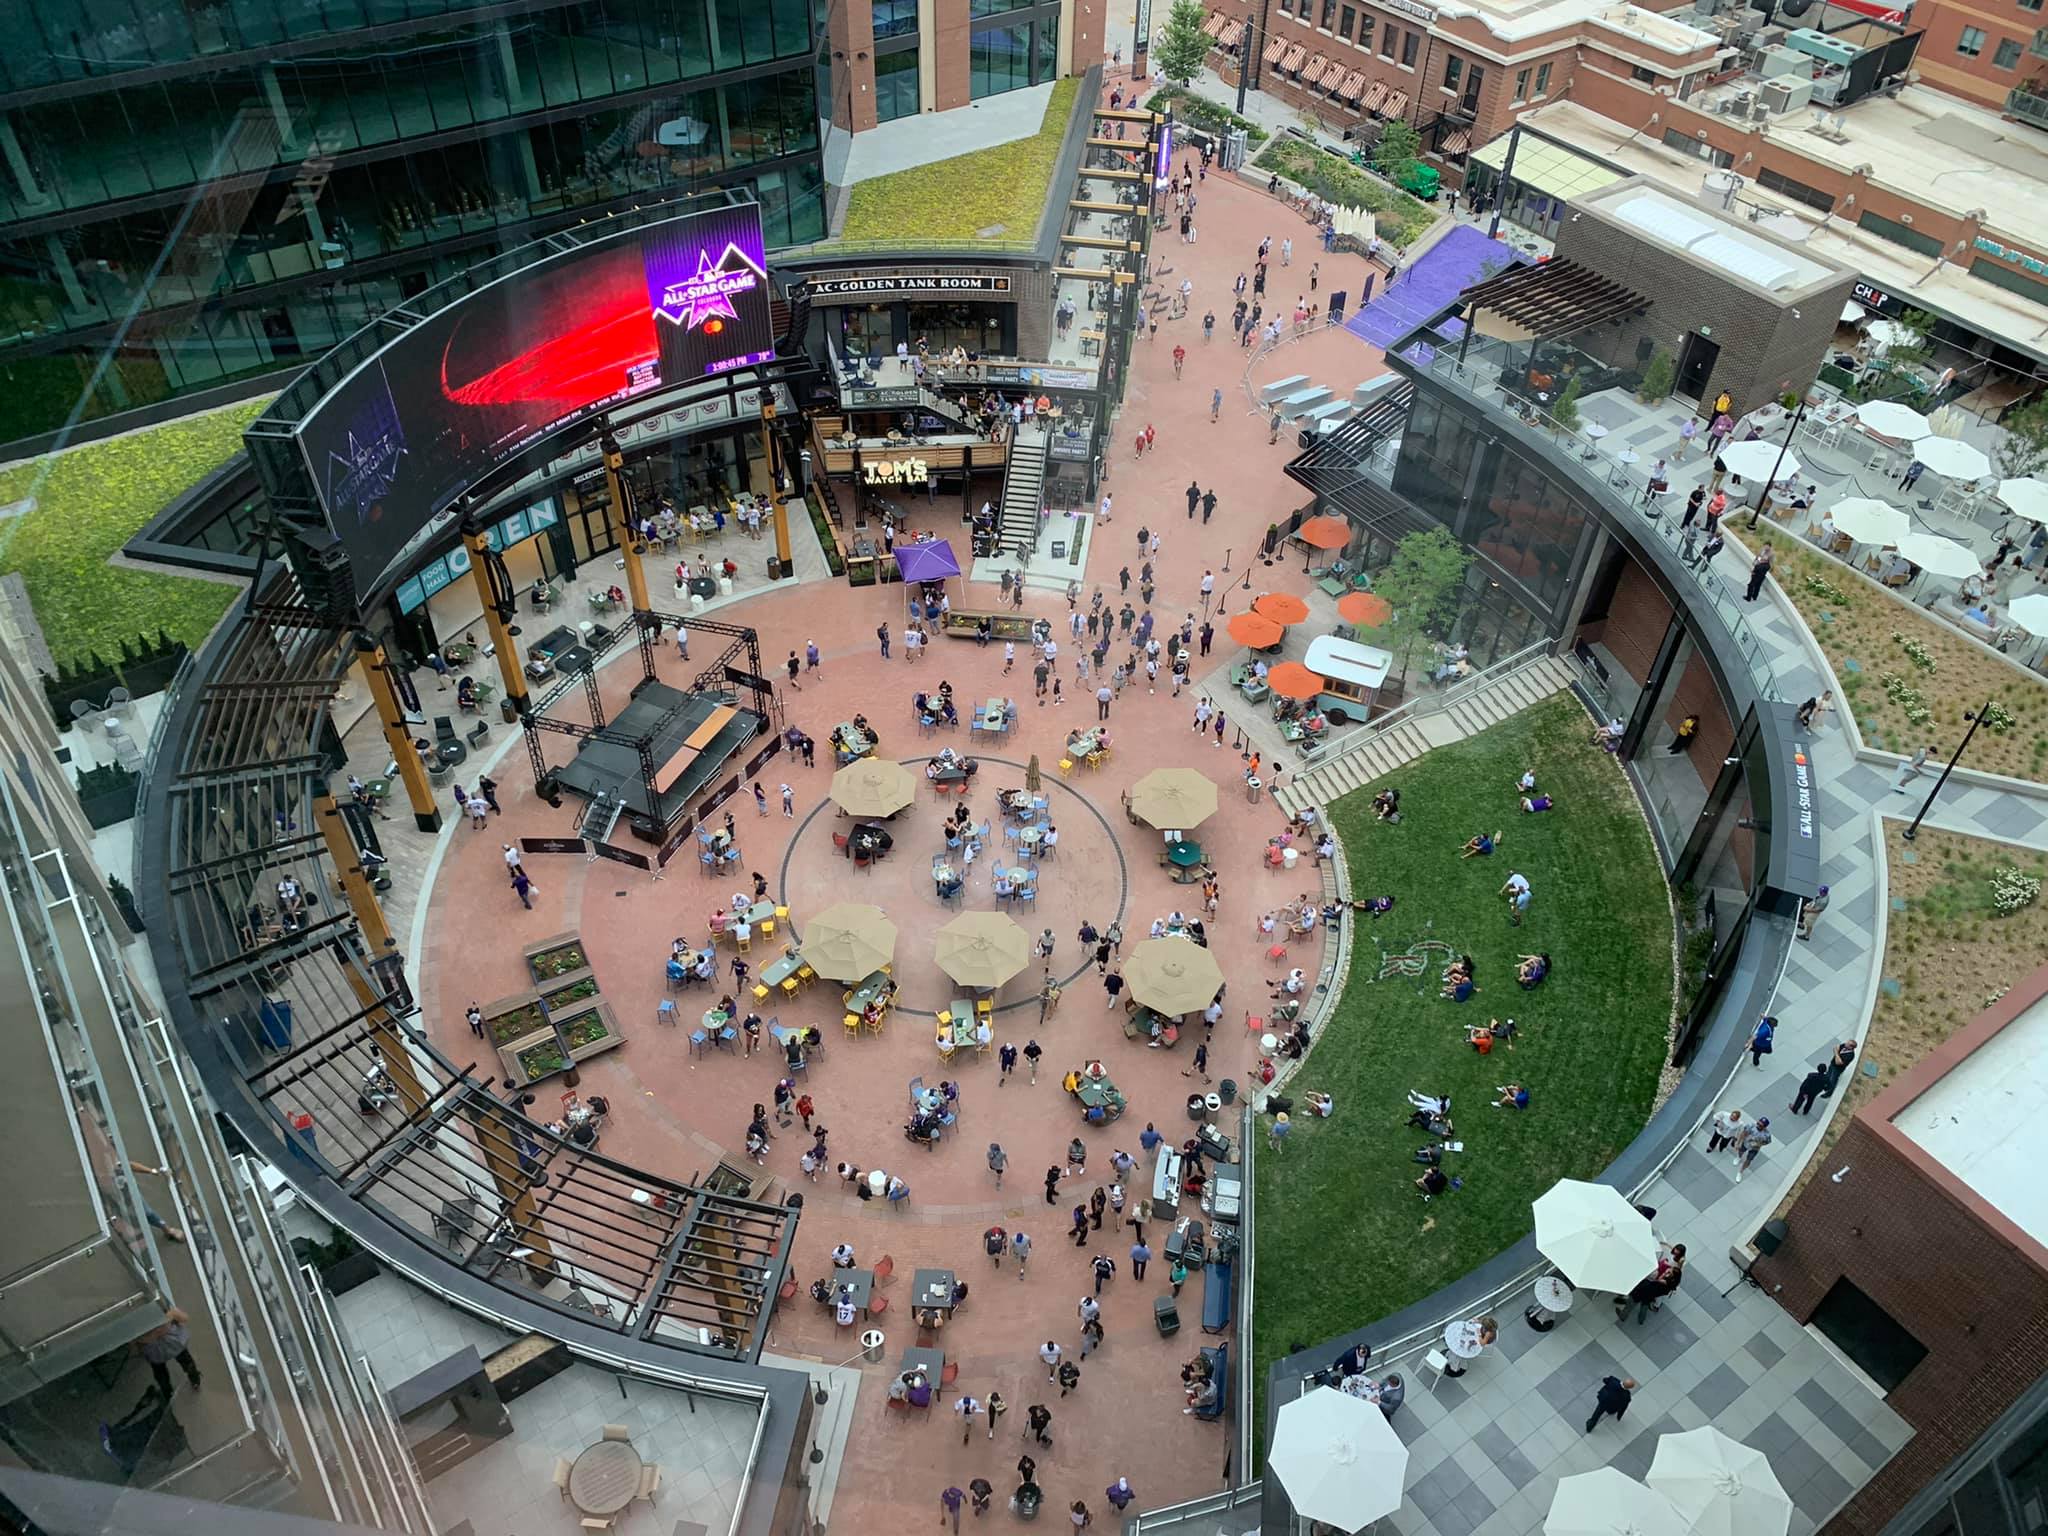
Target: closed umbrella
1951,458
1280,607
1605,1502
1599,1240
1367,610
874,786
981,949
1338,1458
1888,418
1753,460
1944,557
849,941
1869,521
1325,533
1291,680
1176,976
1032,781
1173,799
1255,630
2026,497
1719,1486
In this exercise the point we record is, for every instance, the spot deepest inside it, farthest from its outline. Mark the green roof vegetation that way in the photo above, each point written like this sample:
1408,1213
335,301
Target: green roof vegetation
1589,1042
1001,190
1400,219
88,503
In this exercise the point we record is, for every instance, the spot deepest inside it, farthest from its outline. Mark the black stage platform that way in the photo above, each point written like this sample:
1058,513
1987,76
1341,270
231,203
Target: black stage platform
663,718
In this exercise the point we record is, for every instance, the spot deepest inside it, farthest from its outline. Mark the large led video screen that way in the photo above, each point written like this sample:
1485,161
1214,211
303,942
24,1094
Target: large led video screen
405,434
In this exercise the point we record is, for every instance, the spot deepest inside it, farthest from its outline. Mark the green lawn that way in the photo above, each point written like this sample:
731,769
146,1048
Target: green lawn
1002,189
1344,1238
89,503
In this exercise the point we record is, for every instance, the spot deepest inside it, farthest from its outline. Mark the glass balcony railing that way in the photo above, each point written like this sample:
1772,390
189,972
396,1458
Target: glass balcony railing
2027,107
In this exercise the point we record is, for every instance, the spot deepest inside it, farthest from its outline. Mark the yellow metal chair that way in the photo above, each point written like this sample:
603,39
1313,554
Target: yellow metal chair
743,942
761,992
789,986
852,1025
1066,766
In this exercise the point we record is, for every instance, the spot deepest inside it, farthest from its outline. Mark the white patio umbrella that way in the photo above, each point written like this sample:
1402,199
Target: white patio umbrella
1719,1486
1599,1240
2027,497
1338,1458
1951,458
1939,556
1852,312
1888,418
2030,613
1605,1502
1886,334
1754,460
1869,521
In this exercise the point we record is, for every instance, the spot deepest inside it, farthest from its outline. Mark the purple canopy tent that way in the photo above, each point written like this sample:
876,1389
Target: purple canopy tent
916,563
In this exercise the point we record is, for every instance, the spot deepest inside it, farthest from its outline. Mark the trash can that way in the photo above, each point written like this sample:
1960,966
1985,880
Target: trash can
725,586
774,568
1252,788
1198,1107
1226,1090
507,711
1289,857
1213,1103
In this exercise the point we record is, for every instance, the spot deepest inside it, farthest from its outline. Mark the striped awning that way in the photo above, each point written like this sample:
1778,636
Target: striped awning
1456,142
1215,23
1397,105
1295,54
1231,34
1274,49
1374,95
1353,84
1315,69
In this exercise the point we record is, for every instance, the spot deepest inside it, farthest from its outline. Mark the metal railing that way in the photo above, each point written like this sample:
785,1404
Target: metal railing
1425,704
1231,1512
2027,107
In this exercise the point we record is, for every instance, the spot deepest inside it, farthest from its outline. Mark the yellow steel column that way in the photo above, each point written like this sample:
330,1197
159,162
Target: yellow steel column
426,812
621,521
369,915
477,540
774,481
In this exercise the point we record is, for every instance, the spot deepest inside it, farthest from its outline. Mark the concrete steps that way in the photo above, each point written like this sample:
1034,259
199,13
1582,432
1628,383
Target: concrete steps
1381,752
1023,490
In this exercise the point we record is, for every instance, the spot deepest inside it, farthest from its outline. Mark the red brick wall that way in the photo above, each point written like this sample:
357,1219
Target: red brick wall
1697,695
1977,1303
1637,618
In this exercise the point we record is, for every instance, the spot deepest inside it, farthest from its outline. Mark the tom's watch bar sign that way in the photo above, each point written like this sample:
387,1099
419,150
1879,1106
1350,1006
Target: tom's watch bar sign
895,285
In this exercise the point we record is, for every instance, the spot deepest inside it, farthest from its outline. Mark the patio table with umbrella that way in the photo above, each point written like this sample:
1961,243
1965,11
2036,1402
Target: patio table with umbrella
1324,533
1592,1234
1719,1486
1951,458
1606,1502
2031,614
1291,680
848,941
1944,557
930,561
1888,418
1338,1458
1173,799
1281,607
874,786
1175,976
1364,610
1869,521
981,950
2025,497
1758,458
1255,630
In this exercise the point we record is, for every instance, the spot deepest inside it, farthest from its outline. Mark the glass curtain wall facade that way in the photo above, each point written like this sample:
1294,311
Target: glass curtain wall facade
218,191
1018,49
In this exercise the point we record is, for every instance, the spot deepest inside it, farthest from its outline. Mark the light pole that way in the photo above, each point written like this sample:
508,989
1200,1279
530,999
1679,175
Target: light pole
1784,448
1976,718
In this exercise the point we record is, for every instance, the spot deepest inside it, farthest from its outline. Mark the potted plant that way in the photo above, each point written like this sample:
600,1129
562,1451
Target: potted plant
1565,409
513,1019
570,988
544,1058
1658,377
590,1033
341,1261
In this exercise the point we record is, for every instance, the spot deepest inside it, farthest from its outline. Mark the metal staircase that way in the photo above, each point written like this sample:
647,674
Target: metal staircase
1363,756
1017,518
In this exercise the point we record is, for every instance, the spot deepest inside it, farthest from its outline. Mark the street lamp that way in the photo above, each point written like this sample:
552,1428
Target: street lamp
1976,718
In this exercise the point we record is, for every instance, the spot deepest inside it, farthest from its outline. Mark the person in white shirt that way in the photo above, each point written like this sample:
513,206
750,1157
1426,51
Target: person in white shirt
1727,1128
843,1308
1103,510
512,863
842,1256
1049,1352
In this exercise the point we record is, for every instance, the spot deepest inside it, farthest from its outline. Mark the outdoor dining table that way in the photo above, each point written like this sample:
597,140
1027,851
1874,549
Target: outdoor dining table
948,778
931,1363
1553,1297
860,1281
777,971
1085,744
869,989
1030,837
605,1478
1462,1340
1184,854
932,1288
956,1027
1096,1093
991,715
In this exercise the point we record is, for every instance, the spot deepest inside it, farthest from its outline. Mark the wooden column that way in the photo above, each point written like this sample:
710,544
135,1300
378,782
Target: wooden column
622,521
775,482
477,540
426,811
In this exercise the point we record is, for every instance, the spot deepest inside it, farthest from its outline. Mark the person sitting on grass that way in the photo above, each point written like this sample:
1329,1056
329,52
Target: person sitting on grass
1481,1037
1319,1103
1386,805
1512,1096
1458,983
1432,1183
1479,846
1526,784
1535,805
1531,970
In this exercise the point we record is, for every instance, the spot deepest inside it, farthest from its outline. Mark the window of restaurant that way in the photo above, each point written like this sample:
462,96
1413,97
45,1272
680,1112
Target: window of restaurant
1410,46
977,327
1365,26
1454,68
1475,77
1699,149
1347,23
1898,234
1798,191
1388,39
1542,79
1014,55
868,329
896,93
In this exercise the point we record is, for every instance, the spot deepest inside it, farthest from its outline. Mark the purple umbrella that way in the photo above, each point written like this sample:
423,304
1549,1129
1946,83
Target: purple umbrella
926,562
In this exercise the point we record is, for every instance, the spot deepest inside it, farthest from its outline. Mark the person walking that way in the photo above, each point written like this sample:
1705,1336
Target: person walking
1208,503
1037,1420
1725,1131
969,1408
1069,1377
1105,1270
169,1341
1810,1087
1810,911
882,634
1753,1141
1052,1185
1020,1247
1216,404
996,1409
1032,1052
1194,499
949,1505
998,1160
487,789
1103,695
523,887
1141,1255
1006,1059
788,803
1761,1039
1277,1132
1049,1352
1759,568
1614,1396
1909,770
1837,1065
1113,984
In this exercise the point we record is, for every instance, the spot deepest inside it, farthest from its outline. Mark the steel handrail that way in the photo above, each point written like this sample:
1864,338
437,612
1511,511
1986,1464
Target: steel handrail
1429,704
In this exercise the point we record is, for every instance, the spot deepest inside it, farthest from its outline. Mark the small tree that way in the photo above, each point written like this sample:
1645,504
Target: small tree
1424,584
1183,45
1659,376
2024,448
1400,147
1565,408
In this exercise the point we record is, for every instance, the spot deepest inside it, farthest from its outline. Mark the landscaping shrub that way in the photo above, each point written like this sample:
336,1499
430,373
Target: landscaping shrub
1401,218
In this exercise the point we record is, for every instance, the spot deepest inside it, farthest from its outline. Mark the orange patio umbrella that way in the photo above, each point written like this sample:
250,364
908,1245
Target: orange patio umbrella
1254,630
1325,533
1291,680
1280,607
1368,610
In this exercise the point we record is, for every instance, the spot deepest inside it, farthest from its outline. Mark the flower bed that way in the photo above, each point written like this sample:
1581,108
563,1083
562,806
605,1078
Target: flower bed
1202,113
1908,678
556,957
1399,217
542,1059
513,1019
570,988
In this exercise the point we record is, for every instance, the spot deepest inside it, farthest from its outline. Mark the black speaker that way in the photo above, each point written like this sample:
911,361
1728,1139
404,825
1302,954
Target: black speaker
325,576
550,789
1770,1237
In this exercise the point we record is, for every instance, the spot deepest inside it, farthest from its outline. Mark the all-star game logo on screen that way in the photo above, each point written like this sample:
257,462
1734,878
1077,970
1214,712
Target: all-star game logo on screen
708,287
357,474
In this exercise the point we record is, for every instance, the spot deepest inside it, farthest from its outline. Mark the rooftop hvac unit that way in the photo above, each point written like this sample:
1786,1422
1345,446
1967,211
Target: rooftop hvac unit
1782,96
1769,37
1774,62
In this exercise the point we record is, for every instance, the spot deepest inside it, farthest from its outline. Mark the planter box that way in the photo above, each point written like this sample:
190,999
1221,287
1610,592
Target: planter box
538,1059
525,1364
544,960
582,981
572,1025
508,1053
514,1018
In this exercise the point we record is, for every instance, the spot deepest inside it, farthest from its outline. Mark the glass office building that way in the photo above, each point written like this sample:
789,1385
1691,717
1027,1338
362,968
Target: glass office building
203,193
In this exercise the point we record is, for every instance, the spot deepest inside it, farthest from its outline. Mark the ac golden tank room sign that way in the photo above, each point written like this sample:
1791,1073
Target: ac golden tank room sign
895,472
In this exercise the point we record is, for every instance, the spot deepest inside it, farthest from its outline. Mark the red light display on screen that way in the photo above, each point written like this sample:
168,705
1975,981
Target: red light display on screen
567,346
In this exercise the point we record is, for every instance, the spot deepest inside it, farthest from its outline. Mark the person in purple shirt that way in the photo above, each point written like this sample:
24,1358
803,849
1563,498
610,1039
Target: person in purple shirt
949,1505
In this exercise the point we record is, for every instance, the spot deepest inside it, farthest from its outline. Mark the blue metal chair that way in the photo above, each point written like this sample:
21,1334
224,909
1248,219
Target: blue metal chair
665,1011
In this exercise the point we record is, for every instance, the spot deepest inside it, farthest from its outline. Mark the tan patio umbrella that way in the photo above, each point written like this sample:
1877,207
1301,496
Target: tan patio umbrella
1173,799
849,941
874,786
982,949
1172,975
